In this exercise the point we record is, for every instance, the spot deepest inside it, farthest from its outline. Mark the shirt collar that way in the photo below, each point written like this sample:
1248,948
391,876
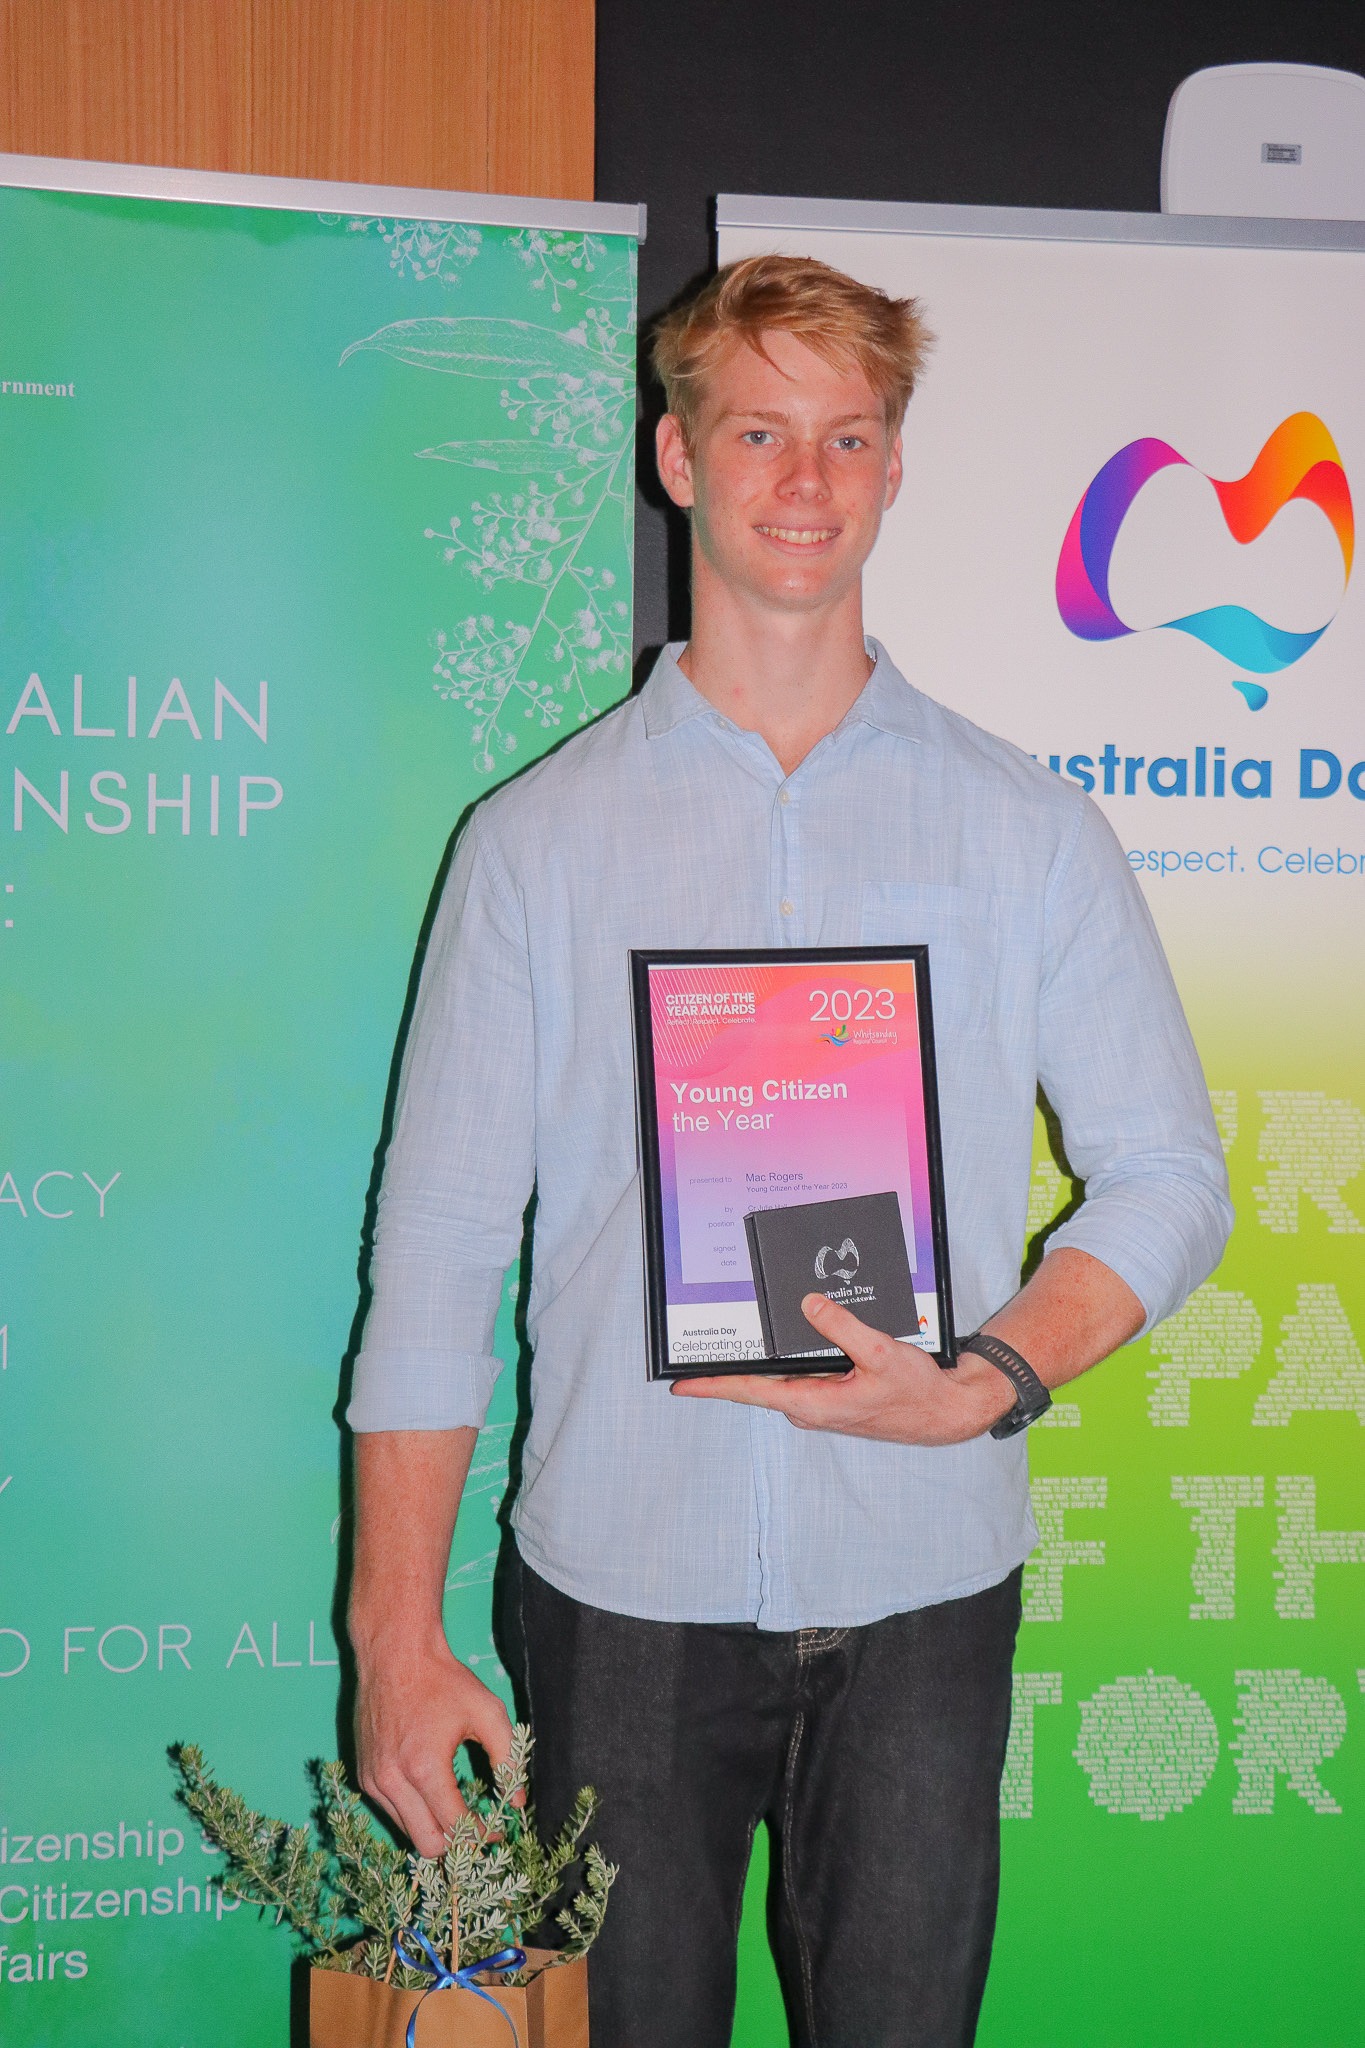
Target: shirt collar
887,701
668,699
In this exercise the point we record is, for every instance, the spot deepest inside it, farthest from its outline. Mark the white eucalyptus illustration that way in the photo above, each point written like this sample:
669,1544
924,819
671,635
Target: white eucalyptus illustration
543,509
561,263
419,248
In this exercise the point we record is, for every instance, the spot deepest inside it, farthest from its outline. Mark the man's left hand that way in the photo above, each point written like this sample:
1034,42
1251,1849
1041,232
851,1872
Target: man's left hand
892,1392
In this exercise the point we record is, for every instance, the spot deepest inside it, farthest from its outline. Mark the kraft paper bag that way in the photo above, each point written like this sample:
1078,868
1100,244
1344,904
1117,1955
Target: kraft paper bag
360,2012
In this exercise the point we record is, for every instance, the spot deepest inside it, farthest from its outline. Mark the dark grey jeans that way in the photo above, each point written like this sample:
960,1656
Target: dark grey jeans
875,1754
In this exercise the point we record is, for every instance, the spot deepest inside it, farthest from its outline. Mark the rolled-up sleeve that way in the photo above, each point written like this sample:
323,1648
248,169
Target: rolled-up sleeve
460,1165
1119,1067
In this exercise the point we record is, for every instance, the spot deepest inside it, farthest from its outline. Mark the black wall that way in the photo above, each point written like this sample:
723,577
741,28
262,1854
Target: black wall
972,102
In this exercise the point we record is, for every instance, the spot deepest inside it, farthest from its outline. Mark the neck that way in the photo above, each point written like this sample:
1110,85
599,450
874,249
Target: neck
788,676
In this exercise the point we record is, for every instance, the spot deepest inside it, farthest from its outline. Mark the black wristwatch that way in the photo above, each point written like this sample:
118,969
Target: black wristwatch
1033,1397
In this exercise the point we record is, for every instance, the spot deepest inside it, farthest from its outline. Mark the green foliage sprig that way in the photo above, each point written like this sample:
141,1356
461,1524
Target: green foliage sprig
348,1893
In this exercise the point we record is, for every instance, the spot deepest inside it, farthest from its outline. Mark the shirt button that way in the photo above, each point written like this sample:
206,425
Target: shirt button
784,795
786,906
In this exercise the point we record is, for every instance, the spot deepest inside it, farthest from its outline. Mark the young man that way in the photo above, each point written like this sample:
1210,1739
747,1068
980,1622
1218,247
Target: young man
719,1617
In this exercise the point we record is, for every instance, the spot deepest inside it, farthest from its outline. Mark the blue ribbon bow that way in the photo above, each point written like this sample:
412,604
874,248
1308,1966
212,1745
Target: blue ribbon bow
454,1980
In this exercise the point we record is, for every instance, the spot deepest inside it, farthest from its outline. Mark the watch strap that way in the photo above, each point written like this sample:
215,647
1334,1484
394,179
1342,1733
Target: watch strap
1032,1397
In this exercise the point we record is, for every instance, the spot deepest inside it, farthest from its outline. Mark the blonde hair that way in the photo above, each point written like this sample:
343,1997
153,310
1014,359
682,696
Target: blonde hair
848,324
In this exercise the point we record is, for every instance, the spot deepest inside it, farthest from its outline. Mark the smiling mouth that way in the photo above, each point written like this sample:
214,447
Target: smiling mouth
799,536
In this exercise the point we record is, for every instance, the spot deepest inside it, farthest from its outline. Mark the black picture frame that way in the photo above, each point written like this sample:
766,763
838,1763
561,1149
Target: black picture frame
642,961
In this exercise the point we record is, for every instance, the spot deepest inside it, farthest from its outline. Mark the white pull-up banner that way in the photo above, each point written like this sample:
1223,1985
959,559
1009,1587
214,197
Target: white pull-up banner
1125,542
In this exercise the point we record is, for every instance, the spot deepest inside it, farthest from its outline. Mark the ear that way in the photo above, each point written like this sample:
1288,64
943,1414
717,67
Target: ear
675,464
894,473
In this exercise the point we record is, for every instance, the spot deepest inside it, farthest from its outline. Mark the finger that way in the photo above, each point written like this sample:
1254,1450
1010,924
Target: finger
414,1781
433,1801
423,1819
385,1781
751,1390
807,1402
867,1347
491,1727
489,1724
483,1723
370,1787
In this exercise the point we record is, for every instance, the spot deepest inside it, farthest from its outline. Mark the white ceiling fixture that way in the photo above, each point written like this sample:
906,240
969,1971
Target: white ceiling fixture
1273,141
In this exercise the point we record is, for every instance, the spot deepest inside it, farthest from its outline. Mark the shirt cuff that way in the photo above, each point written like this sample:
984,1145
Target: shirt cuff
421,1389
1163,1240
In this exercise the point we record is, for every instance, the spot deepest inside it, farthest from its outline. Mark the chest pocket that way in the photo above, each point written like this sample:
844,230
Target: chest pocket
961,929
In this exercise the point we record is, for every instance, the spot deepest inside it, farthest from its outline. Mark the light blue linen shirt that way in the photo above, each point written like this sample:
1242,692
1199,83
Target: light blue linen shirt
665,825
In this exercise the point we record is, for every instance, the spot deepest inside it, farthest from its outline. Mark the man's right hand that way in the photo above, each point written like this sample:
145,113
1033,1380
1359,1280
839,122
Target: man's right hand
416,1704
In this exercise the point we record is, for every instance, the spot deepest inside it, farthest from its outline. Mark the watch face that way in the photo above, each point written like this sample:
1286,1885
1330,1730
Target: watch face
1011,1424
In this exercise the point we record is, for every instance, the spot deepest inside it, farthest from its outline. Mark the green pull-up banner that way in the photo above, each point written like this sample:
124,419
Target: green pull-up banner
315,518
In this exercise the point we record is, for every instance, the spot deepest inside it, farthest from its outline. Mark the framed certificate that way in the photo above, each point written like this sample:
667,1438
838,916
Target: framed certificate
796,1079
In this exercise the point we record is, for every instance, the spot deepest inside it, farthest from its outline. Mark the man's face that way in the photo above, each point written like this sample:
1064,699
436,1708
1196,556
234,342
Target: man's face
788,477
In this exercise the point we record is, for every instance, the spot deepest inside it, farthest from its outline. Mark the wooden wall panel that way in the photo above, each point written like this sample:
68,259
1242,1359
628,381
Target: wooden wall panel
542,66
393,91
465,95
120,78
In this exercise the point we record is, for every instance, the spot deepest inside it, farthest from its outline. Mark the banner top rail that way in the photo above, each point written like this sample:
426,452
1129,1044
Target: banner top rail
1034,223
318,195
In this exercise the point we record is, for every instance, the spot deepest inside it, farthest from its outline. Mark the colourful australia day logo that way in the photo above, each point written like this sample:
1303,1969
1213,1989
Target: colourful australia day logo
1299,460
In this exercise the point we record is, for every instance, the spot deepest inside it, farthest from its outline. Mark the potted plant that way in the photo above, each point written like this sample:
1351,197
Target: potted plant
385,1931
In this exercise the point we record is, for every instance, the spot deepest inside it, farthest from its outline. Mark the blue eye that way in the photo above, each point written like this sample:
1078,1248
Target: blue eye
757,436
